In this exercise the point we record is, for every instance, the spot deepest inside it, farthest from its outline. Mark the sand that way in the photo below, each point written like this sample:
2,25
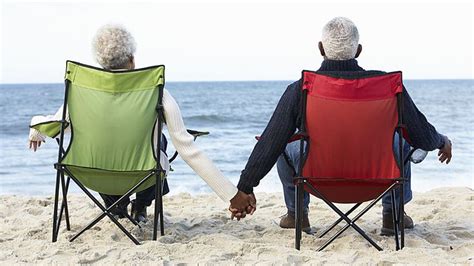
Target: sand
198,230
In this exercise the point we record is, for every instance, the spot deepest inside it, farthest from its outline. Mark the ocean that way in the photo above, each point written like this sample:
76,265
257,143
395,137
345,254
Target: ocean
234,113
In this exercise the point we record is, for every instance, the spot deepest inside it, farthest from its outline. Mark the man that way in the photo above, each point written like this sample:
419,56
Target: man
339,47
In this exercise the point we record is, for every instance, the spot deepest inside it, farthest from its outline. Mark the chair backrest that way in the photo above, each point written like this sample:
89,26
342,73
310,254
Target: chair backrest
351,125
112,117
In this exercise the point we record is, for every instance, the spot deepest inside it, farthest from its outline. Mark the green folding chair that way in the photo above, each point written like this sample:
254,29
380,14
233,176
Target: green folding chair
112,117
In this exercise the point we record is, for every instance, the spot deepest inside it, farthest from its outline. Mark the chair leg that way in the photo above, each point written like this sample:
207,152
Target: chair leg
162,225
64,208
55,208
157,206
299,213
401,217
395,218
68,223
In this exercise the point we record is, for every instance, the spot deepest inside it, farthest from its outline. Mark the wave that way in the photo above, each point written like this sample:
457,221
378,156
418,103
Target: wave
14,129
206,119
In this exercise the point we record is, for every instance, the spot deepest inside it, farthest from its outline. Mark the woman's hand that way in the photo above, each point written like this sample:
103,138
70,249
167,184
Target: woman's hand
34,145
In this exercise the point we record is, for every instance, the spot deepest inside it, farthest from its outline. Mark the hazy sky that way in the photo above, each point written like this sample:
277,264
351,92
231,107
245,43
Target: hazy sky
245,40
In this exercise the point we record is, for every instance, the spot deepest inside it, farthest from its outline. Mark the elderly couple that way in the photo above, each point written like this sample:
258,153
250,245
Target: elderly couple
114,49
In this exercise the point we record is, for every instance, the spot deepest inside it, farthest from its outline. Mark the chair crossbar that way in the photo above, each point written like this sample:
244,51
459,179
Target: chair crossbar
351,222
338,220
105,211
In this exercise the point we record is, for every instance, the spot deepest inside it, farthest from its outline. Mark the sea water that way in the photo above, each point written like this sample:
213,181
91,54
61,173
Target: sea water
234,113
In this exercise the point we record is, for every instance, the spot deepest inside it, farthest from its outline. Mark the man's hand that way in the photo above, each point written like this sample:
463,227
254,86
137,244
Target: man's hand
445,152
251,208
34,145
241,204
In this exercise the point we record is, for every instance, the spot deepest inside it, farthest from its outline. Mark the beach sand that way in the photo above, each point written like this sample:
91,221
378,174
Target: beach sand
198,230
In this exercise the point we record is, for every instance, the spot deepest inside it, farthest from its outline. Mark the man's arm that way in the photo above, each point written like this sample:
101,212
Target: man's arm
421,133
274,138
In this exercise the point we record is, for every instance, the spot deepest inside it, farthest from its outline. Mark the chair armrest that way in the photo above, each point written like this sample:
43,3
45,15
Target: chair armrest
295,137
195,134
49,128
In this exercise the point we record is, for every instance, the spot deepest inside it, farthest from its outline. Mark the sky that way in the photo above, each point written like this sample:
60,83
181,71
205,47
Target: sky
244,40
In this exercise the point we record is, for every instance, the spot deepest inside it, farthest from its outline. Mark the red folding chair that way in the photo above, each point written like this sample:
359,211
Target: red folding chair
349,127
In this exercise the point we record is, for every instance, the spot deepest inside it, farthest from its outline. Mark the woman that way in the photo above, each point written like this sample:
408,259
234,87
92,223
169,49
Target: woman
113,48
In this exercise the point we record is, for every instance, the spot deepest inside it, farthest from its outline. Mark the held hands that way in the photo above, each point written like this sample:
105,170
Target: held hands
242,204
445,152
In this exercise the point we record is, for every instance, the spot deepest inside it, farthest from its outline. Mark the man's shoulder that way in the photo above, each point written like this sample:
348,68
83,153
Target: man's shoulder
295,85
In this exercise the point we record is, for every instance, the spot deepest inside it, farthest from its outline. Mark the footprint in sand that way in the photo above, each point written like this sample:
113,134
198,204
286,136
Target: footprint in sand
267,205
259,228
96,257
35,234
6,240
425,202
34,211
461,232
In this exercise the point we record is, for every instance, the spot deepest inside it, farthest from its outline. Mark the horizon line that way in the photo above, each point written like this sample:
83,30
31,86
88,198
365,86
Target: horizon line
211,81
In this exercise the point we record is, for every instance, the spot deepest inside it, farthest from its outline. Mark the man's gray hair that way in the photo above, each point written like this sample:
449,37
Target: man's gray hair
340,39
113,46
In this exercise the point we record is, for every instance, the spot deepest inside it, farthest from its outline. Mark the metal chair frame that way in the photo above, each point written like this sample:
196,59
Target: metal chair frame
302,182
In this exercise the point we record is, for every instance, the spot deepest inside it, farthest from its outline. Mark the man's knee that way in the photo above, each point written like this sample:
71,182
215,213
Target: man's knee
284,170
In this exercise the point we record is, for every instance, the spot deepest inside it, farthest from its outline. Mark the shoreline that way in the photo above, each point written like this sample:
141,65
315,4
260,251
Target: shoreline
198,230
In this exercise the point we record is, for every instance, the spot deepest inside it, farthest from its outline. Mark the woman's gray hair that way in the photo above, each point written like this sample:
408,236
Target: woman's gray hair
113,46
340,39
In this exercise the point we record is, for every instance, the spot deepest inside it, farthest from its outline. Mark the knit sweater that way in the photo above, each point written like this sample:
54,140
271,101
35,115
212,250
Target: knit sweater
287,116
182,141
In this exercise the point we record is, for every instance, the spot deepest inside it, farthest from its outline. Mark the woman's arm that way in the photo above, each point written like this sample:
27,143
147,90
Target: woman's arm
191,154
36,137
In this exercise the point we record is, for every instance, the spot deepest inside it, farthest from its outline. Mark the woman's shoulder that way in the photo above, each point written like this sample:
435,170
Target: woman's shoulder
167,96
166,93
